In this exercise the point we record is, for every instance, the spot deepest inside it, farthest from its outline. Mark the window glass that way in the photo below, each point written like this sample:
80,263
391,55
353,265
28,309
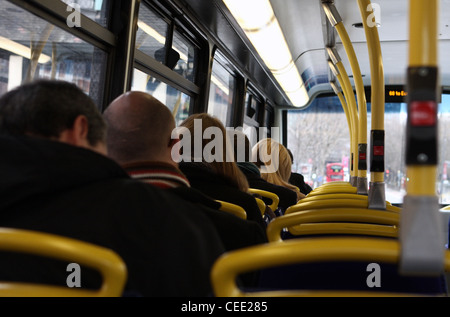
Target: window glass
174,99
151,34
221,92
96,10
30,48
186,64
319,135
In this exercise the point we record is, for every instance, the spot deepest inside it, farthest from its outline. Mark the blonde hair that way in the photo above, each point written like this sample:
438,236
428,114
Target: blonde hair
263,157
224,166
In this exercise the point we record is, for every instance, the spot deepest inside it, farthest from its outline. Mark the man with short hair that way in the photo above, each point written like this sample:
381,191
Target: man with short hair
56,178
139,137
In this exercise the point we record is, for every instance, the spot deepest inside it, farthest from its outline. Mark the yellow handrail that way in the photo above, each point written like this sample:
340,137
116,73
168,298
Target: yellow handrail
261,205
295,221
106,261
338,204
264,193
232,209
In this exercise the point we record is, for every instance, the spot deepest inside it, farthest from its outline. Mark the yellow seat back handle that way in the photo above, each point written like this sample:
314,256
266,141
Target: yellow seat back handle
232,209
264,193
104,260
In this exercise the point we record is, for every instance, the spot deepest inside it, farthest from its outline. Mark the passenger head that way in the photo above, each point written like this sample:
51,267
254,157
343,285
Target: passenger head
54,110
139,128
216,150
275,163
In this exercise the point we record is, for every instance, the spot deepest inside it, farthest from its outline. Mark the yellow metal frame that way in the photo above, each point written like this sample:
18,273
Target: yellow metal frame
353,112
347,228
359,85
106,261
337,204
377,77
236,210
330,188
264,193
230,265
295,221
261,205
422,52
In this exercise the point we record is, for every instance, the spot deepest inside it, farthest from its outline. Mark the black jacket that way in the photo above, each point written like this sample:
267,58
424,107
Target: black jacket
298,180
218,187
167,244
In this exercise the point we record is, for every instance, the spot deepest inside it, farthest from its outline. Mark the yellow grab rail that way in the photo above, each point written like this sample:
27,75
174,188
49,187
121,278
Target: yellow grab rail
336,21
264,193
376,188
338,204
295,221
422,236
232,209
106,261
261,205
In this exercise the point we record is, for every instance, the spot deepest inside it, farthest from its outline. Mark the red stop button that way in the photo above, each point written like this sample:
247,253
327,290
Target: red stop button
423,113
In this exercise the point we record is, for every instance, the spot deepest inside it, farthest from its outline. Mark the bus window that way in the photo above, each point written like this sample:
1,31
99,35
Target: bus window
221,92
96,10
174,99
32,48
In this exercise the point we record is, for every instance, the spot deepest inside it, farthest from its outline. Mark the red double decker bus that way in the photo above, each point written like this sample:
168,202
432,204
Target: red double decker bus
335,172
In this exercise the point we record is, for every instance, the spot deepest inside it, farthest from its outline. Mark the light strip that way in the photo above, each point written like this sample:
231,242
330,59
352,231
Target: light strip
21,50
264,32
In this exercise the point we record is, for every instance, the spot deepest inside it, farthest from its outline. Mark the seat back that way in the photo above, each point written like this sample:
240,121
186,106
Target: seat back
106,261
304,251
343,220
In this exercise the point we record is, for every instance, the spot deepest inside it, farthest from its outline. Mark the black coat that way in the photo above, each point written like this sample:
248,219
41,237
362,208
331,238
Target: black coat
167,244
298,180
218,187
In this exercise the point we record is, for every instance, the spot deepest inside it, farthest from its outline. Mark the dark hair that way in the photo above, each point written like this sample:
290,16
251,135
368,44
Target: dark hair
45,108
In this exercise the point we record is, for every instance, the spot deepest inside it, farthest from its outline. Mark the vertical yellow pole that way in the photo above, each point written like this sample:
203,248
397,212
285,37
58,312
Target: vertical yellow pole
422,52
336,21
421,235
377,187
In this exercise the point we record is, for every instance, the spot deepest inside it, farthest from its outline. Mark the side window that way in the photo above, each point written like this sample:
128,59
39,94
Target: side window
160,41
31,48
178,102
221,92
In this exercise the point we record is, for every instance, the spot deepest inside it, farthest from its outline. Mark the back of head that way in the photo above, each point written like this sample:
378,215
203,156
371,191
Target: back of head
45,108
216,152
274,161
139,128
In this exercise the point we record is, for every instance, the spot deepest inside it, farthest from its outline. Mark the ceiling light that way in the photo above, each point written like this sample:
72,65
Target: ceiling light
264,32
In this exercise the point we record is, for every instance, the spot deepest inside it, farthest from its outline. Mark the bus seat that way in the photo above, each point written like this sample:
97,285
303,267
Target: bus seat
314,257
356,220
106,261
336,203
333,188
233,209
266,194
